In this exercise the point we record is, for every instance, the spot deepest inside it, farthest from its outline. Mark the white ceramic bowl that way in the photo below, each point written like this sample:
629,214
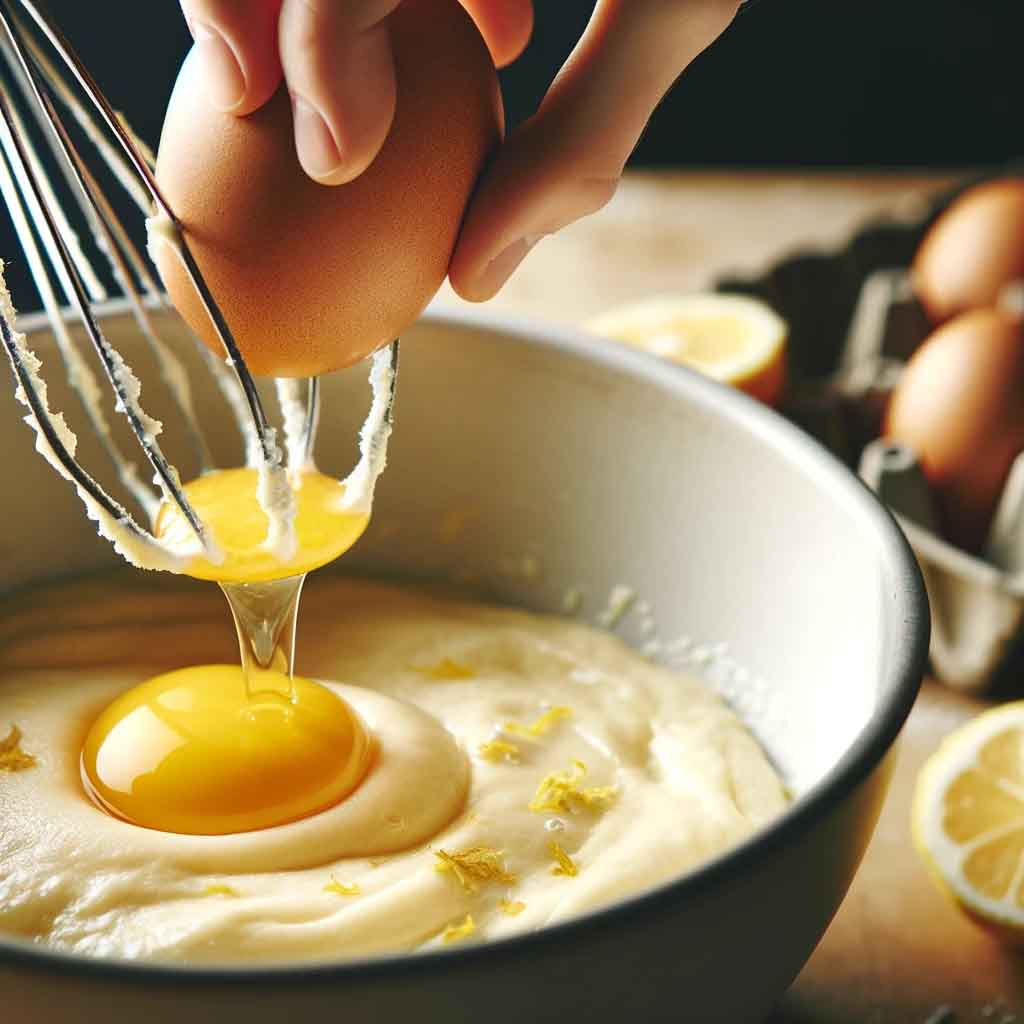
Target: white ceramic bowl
595,466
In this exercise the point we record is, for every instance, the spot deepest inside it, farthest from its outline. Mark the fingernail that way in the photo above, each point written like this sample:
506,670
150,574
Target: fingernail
501,268
224,78
318,152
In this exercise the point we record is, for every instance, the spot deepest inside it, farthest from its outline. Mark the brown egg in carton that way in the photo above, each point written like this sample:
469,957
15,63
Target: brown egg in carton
855,321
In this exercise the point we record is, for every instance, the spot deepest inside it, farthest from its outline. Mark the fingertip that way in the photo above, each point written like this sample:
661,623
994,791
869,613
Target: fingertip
222,71
259,89
526,196
475,242
342,85
334,153
315,144
490,278
506,26
462,276
520,31
237,52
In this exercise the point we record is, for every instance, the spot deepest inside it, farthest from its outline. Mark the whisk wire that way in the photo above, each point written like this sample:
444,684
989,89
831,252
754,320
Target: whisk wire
96,288
71,59
171,370
140,164
111,155
312,418
268,445
116,245
79,373
58,261
124,384
169,366
42,416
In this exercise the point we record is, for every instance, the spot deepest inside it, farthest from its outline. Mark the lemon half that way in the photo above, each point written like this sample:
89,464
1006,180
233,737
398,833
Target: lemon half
731,338
968,819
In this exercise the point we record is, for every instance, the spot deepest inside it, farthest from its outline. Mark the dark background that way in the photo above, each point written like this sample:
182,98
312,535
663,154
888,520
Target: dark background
807,83
895,83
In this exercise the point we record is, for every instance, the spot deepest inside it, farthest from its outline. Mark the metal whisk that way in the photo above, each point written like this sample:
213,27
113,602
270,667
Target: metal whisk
34,53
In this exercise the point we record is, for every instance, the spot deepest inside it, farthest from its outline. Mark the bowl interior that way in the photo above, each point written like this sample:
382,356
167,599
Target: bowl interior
555,470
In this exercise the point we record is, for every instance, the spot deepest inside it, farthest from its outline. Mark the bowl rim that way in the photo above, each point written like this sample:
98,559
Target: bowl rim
900,679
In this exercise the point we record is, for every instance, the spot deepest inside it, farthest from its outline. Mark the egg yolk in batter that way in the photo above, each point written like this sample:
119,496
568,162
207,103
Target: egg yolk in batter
193,752
226,502
220,749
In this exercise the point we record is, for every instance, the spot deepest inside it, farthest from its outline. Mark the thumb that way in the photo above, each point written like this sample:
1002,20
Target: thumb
236,42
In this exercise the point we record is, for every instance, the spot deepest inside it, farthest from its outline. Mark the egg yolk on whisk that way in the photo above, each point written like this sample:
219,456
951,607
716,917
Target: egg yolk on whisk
193,752
226,502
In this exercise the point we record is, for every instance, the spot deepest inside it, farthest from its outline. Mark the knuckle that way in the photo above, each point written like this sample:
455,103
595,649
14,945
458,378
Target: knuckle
354,15
714,14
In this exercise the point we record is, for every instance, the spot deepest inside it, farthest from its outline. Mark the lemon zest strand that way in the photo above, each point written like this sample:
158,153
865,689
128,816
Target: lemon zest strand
565,866
540,726
12,757
560,791
446,668
512,907
454,932
220,890
498,750
473,865
341,889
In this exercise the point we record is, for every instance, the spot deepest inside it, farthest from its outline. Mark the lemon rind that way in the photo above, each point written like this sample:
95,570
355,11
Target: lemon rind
943,857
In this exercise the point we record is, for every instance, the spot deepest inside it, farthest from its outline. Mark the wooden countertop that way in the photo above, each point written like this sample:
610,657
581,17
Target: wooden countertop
897,952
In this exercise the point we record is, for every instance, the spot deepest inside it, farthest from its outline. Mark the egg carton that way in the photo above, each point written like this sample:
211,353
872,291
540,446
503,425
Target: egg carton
854,322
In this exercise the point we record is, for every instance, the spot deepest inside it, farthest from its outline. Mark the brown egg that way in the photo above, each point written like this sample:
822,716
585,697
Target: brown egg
960,405
974,248
312,278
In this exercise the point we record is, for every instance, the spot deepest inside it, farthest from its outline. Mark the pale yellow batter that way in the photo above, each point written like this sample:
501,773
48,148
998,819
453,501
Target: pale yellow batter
530,769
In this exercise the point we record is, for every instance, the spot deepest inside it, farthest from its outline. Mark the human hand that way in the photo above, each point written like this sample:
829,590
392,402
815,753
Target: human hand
561,164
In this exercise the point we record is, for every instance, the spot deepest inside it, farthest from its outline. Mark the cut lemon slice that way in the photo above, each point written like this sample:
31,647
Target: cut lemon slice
968,818
731,338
